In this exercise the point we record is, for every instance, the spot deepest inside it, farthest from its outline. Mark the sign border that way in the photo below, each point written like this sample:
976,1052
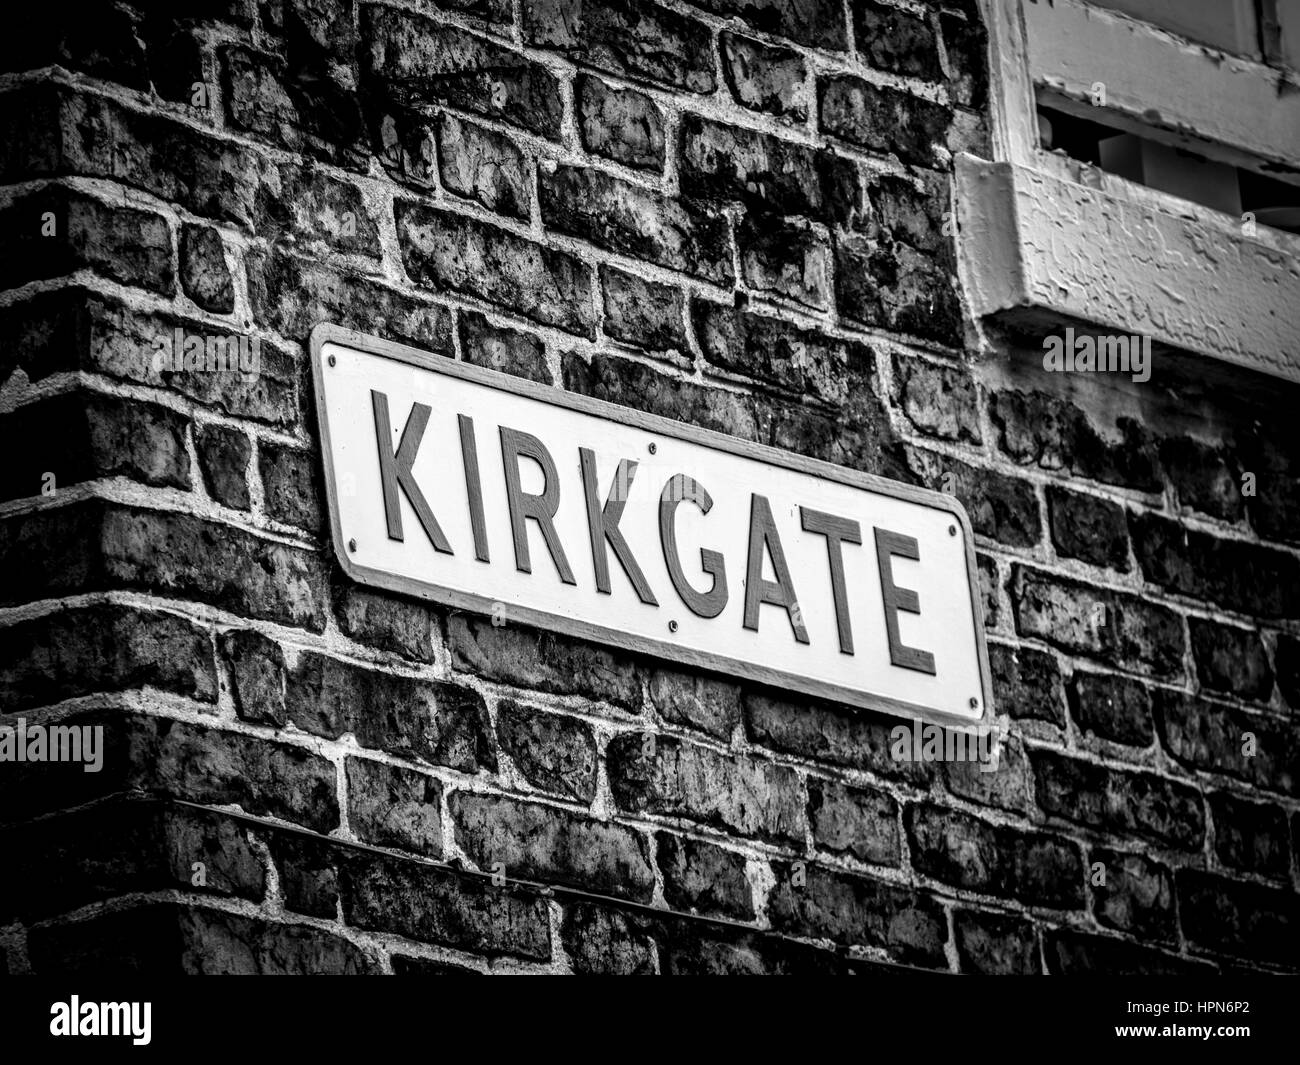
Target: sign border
655,425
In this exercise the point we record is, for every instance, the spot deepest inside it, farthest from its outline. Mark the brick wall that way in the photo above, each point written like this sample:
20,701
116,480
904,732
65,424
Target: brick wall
731,212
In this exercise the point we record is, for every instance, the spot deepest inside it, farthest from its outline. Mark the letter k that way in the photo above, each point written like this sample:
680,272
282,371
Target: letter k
395,470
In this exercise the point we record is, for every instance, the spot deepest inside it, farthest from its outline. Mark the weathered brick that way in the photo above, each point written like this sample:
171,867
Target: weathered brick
507,350
882,119
644,313
80,436
389,894
631,220
411,966
1114,708
896,41
966,44
1054,434
987,568
100,40
631,37
224,453
104,647
764,77
910,925
860,822
620,124
309,207
709,704
1229,659
704,878
831,734
768,174
1236,574
445,250
786,257
664,775
1250,836
1262,751
289,484
416,61
1137,897
1087,528
896,288
819,23
398,626
995,945
548,843
292,295
204,274
1287,659
940,401
1130,804
394,807
1274,459
1248,920
1069,952
1000,507
1116,628
56,231
256,664
968,853
482,165
1007,786
542,661
309,877
1204,477
603,941
554,753
434,721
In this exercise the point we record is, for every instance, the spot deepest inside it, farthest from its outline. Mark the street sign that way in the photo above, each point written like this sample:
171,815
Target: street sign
535,506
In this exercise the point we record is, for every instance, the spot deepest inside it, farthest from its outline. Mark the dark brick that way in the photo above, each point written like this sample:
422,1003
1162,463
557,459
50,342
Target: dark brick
896,288
705,703
966,43
256,665
1114,708
860,822
896,41
554,753
703,878
289,486
1248,920
940,401
309,878
1087,528
1229,659
1204,478
1250,836
882,119
95,39
819,23
56,231
1002,508
663,775
1274,459
1287,658
414,61
1054,434
1262,751
630,37
910,925
628,219
1076,952
310,207
548,843
603,941
434,721
620,124
644,313
394,807
764,77
223,458
971,854
914,212
1123,803
786,257
994,945
204,274
398,626
1003,784
1236,574
1113,627
482,165
542,661
508,350
446,250
988,582
1138,896
409,966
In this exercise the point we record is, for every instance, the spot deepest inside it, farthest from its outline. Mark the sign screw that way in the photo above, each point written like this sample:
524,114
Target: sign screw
352,545
653,448
333,360
974,702
952,530
672,625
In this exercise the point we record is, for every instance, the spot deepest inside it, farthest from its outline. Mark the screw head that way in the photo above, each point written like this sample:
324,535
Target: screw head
952,530
974,702
352,545
672,626
654,448
333,360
